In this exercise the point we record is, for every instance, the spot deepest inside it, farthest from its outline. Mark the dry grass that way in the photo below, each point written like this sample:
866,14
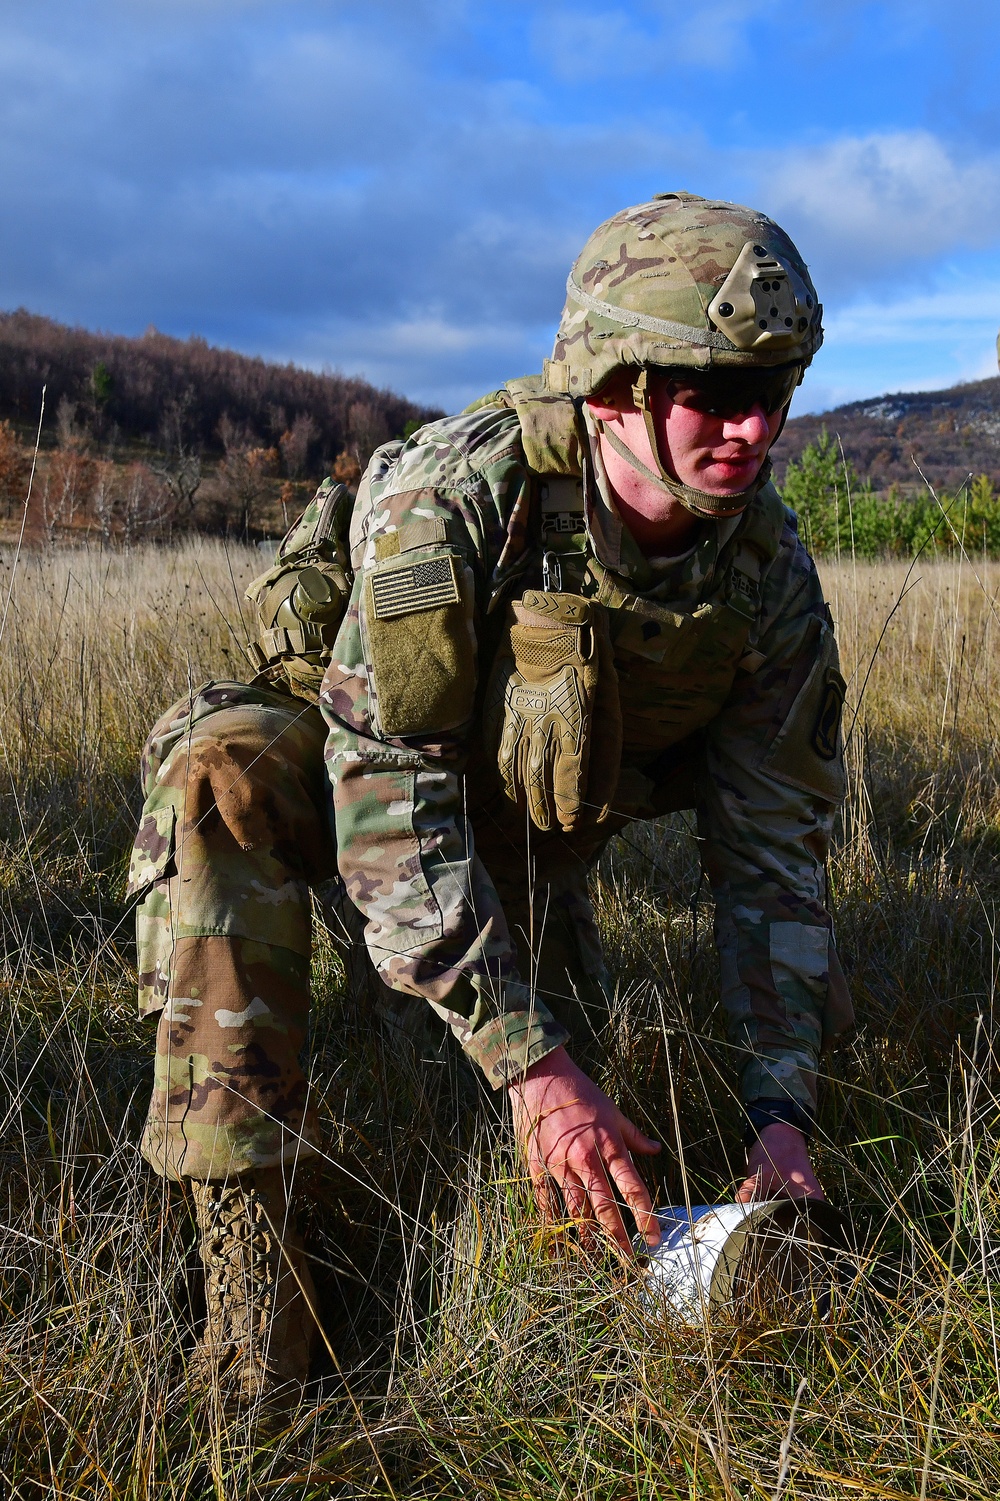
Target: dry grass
477,1356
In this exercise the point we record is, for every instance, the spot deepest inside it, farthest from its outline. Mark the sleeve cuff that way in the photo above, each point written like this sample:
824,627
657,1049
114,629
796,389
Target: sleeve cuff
763,1113
507,1045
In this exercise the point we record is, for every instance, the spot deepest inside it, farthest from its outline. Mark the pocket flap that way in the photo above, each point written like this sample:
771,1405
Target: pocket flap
153,849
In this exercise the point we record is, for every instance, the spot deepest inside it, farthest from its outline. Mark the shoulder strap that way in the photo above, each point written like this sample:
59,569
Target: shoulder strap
550,428
500,398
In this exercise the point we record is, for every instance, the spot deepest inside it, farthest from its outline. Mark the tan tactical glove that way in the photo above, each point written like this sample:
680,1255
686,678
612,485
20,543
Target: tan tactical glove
553,716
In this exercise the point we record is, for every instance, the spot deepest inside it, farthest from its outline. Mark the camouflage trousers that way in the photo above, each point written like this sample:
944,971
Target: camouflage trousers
236,829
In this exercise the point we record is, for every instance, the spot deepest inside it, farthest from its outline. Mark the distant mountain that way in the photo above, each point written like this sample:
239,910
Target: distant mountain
155,391
949,433
155,394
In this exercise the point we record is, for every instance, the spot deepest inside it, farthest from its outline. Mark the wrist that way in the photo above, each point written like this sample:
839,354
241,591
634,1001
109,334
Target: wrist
553,1062
507,1044
770,1112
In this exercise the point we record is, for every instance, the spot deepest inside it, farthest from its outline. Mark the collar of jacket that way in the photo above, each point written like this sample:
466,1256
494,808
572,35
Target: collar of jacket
559,437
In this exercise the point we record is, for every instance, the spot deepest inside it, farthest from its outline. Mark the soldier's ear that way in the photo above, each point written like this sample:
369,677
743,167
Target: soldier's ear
614,397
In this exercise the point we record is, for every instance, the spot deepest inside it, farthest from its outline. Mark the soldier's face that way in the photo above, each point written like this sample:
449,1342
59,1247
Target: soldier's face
719,454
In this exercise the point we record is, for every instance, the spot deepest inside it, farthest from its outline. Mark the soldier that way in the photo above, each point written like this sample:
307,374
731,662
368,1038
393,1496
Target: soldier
579,603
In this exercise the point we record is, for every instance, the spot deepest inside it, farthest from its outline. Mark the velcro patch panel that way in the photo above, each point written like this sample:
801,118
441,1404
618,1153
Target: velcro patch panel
424,532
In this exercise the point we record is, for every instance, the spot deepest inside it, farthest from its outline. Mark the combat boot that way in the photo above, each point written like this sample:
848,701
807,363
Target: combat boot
259,1295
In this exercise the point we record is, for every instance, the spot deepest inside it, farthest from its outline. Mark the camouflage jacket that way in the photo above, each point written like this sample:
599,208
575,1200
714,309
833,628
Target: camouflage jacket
478,507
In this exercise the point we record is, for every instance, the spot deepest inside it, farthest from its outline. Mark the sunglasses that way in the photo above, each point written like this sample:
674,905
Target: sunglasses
733,393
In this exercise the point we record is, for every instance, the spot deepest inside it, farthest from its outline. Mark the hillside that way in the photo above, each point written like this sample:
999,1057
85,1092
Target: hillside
154,434
951,434
134,385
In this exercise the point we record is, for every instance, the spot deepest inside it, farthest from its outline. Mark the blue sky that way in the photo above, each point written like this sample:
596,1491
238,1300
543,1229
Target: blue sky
396,188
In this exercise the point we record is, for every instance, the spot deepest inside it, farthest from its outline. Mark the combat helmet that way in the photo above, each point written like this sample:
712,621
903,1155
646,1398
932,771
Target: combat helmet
692,285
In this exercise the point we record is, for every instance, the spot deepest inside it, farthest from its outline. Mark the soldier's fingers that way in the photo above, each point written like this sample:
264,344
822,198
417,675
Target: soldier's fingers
636,1140
750,1189
546,1196
574,1196
603,1205
621,1170
579,1208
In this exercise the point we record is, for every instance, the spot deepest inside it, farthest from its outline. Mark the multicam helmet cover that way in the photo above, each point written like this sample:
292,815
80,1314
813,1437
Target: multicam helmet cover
686,282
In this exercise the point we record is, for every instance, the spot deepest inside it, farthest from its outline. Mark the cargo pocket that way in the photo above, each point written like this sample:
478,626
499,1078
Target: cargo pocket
807,750
417,631
153,850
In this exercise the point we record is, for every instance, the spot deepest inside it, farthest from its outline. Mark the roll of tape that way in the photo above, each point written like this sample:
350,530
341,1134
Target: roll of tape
773,1260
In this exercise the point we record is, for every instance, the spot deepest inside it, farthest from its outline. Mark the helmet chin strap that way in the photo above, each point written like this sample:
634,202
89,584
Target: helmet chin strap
700,502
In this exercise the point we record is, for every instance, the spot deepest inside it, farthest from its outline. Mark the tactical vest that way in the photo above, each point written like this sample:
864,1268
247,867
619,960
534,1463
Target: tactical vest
675,667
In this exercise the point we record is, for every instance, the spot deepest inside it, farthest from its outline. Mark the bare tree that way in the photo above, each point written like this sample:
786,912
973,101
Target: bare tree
71,475
295,443
67,431
179,466
346,469
104,500
244,473
367,428
147,503
15,466
130,503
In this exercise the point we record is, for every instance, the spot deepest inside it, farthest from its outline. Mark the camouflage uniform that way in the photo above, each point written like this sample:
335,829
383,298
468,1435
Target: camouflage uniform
730,699
234,831
733,713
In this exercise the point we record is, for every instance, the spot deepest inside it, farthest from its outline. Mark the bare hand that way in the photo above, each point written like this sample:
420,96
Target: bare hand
778,1167
574,1136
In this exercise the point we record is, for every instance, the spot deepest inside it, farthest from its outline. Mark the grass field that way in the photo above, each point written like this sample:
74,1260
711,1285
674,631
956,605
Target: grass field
477,1356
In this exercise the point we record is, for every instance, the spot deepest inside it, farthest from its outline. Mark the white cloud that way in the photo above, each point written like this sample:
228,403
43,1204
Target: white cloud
715,33
861,206
956,311
925,341
712,34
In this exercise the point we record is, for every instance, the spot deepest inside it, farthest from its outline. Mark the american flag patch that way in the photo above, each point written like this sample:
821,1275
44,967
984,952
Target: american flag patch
422,586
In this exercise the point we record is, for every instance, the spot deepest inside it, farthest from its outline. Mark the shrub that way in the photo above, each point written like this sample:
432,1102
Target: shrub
840,513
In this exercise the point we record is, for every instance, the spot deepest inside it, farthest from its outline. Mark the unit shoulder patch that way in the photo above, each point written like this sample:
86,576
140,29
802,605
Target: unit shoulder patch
807,752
